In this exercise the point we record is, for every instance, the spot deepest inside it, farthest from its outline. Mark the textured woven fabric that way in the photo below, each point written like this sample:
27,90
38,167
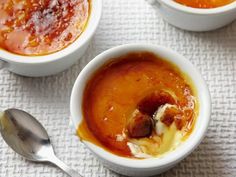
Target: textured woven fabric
130,21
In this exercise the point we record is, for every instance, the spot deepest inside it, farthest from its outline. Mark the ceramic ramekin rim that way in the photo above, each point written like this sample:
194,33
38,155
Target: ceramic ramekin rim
170,158
198,11
93,22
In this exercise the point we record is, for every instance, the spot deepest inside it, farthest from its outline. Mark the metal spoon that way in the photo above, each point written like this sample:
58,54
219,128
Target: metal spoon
26,136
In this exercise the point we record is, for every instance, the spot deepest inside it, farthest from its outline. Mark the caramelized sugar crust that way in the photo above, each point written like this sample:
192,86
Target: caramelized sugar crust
122,86
39,27
205,3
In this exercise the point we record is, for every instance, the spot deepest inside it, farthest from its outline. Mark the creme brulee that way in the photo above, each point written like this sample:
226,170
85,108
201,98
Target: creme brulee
138,105
205,3
40,27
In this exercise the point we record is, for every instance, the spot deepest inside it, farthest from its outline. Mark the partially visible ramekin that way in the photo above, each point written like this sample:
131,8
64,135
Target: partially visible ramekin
35,66
195,19
152,166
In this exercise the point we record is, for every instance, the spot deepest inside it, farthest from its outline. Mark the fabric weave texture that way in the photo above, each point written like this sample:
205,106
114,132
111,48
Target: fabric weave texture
132,21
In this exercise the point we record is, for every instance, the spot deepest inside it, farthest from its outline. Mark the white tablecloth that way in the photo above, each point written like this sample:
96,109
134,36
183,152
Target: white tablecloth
130,21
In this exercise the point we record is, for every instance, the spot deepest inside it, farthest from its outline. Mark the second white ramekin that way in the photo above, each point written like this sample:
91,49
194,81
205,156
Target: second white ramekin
195,19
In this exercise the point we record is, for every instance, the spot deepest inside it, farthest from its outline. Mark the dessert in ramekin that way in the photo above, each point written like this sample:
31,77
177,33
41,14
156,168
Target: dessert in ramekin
193,18
103,94
45,40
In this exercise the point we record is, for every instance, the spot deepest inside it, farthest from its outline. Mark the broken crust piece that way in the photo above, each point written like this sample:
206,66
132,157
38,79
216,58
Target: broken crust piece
179,122
172,114
151,103
167,135
167,114
139,125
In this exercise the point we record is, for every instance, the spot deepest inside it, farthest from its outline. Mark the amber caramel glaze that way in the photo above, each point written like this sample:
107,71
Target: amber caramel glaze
114,91
204,3
40,27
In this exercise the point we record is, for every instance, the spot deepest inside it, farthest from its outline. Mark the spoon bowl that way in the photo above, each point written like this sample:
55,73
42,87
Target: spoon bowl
27,137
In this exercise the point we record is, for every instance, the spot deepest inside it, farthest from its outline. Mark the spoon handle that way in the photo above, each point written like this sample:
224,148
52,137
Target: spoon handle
64,167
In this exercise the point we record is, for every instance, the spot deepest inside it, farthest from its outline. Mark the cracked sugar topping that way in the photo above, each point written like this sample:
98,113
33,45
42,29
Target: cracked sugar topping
40,27
139,106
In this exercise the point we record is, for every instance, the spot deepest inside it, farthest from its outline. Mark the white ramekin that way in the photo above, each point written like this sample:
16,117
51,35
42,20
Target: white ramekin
195,19
35,66
152,166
